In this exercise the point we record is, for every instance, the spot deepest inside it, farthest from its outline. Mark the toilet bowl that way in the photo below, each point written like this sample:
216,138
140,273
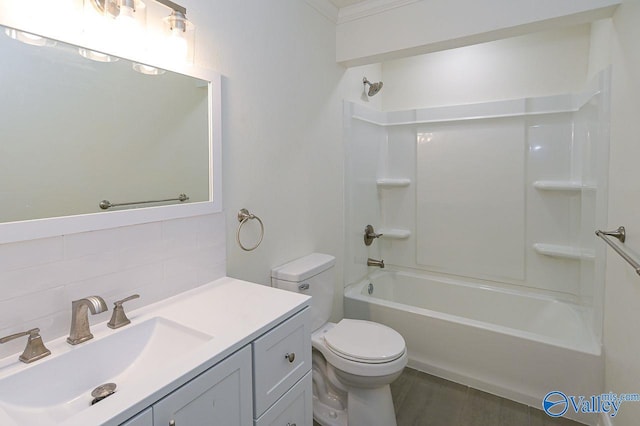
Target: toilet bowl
354,361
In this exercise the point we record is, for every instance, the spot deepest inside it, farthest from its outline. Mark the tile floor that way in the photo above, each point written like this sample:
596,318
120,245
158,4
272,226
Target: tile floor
424,400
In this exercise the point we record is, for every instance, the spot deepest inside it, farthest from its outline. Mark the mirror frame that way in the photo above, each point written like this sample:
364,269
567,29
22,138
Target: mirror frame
58,226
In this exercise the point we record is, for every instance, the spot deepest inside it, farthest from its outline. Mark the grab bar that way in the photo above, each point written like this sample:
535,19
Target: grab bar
106,204
620,234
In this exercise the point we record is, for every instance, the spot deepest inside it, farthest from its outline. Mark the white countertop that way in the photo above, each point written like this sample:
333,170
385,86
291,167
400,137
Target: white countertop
232,311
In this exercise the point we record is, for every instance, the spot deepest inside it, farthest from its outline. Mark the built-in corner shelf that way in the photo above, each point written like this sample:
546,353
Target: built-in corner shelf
560,185
565,252
394,233
392,183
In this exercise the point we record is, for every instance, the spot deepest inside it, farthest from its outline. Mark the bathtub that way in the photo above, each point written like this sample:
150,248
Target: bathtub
515,345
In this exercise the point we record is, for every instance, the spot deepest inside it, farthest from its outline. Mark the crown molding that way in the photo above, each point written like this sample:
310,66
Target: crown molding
368,8
325,8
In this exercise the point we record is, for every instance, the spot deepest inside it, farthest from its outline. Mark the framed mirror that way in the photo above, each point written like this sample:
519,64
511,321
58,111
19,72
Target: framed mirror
91,141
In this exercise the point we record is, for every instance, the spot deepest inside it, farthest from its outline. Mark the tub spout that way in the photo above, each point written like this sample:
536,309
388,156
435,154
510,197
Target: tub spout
374,262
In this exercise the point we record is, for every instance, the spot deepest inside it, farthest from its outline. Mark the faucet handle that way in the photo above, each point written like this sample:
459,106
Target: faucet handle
370,234
35,348
126,299
119,318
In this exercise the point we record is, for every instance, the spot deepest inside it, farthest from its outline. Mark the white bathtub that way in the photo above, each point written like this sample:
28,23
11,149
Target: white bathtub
519,346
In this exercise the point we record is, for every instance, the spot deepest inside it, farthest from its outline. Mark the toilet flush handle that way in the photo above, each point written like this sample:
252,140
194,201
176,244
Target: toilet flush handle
303,286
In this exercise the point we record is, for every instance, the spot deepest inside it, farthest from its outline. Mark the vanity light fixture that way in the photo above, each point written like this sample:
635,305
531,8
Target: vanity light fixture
130,15
96,56
28,38
147,69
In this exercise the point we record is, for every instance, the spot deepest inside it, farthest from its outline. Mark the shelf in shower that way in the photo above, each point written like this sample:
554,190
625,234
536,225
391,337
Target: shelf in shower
561,185
392,183
565,252
394,233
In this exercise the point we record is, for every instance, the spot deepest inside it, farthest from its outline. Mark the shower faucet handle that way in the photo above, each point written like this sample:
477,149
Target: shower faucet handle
370,235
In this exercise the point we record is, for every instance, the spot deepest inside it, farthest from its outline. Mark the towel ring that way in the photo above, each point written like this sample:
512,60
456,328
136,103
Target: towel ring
243,217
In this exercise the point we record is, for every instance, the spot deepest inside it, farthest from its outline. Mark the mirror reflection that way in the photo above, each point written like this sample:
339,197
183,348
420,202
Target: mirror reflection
76,131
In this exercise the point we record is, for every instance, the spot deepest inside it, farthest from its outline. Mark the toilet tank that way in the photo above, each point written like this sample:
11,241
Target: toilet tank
312,275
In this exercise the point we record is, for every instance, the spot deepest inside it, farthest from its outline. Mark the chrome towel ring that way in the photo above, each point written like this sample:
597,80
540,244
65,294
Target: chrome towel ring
243,217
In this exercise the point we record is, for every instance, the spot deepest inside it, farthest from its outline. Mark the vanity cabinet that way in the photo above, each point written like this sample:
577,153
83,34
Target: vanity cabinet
219,396
267,382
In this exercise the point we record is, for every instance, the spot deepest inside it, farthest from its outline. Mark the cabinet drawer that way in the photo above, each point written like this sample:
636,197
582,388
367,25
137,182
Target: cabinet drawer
280,358
295,408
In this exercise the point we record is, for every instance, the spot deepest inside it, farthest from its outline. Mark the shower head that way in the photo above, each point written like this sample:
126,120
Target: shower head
374,88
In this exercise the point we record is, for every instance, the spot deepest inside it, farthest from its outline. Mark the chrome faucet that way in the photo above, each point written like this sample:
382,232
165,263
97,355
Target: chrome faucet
374,262
80,318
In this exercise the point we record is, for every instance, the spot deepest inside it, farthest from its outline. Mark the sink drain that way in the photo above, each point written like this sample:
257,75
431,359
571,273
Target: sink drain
103,391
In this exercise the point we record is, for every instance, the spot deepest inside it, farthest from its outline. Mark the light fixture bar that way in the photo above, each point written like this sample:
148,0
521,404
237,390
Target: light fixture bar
99,4
173,6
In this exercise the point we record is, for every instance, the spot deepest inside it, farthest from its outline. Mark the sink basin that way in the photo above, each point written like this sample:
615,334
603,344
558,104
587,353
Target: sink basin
57,388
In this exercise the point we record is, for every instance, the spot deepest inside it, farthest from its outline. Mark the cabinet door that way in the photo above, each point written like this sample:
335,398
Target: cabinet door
295,408
280,358
144,418
221,396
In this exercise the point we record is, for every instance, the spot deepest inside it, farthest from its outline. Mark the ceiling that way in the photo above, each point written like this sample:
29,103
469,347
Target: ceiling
343,3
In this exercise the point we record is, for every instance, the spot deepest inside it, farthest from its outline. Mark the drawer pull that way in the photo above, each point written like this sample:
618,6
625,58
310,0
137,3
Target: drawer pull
291,357
291,424
172,423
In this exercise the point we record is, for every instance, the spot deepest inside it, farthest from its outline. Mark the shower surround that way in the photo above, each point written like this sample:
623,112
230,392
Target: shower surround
488,213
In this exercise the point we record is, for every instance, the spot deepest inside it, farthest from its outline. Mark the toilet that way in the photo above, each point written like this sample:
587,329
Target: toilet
354,361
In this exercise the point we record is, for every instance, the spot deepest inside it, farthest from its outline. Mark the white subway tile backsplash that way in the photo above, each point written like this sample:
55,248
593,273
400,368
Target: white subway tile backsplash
19,282
40,278
181,231
86,267
88,243
211,230
30,253
15,312
180,272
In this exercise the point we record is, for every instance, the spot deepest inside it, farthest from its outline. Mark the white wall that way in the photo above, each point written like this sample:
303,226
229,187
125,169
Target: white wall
419,27
622,299
282,106
538,64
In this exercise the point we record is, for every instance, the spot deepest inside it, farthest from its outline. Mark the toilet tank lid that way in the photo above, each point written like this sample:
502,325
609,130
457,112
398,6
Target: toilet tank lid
303,268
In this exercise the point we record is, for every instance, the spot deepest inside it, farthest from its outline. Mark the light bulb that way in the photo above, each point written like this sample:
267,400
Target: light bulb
96,56
177,46
24,37
147,69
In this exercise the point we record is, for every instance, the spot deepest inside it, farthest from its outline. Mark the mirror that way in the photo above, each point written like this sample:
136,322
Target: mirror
77,131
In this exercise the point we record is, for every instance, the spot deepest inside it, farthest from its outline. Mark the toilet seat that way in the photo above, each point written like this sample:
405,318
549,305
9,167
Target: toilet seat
365,341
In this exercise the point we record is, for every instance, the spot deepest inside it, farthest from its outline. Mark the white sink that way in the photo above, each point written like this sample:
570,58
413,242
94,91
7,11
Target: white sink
58,387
